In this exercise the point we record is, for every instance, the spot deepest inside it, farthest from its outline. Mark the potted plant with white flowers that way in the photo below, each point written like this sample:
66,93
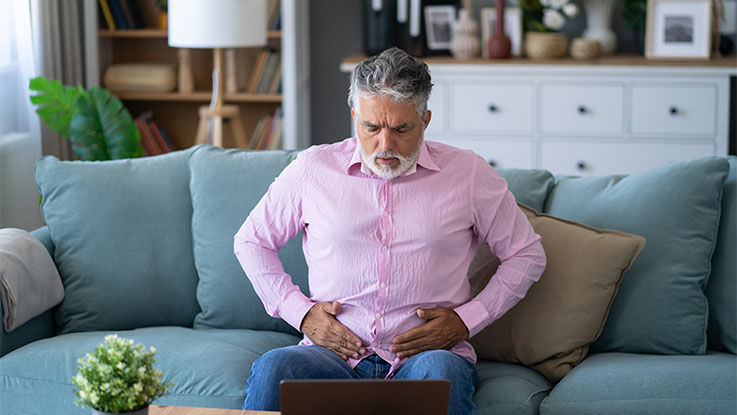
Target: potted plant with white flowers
118,377
542,21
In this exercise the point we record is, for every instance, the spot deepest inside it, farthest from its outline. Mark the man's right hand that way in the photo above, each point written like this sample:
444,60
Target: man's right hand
321,326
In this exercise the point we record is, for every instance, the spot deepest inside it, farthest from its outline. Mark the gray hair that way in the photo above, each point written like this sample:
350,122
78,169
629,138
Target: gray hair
395,73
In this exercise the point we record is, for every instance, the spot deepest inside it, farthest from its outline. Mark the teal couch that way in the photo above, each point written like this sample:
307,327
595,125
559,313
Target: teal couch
144,249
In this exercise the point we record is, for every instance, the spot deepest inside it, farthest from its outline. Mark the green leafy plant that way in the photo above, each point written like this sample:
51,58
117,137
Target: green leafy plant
162,5
95,121
547,15
118,377
634,13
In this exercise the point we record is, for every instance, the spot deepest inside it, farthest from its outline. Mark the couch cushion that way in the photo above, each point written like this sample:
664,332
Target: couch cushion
661,307
122,233
567,307
226,185
721,291
208,367
529,187
505,388
621,383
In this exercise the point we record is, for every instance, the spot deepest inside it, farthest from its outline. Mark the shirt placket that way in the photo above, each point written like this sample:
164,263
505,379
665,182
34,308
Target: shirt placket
385,250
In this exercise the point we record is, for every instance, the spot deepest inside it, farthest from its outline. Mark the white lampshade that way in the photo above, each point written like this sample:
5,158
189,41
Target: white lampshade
217,23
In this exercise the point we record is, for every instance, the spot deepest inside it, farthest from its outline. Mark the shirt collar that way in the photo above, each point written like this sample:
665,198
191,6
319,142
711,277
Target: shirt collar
424,159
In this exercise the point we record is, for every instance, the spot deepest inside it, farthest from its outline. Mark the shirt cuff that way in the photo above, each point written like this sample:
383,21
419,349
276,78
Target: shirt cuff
294,308
474,316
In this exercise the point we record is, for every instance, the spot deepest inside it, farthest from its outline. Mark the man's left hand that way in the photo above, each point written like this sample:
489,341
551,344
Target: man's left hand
443,330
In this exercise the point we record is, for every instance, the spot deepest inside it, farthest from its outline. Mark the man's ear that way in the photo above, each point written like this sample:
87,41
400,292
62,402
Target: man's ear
353,114
428,115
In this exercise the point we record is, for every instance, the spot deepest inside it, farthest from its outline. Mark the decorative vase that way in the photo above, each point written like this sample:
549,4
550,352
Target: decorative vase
163,22
541,45
598,24
142,411
465,42
582,48
500,46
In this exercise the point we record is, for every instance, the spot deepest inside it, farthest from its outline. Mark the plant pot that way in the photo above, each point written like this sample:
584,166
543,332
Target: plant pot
142,411
163,21
540,45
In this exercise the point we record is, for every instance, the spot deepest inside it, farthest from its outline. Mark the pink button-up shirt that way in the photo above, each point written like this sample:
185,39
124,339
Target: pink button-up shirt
385,248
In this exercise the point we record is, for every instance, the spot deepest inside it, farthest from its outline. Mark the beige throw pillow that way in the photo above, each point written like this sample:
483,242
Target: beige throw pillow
550,330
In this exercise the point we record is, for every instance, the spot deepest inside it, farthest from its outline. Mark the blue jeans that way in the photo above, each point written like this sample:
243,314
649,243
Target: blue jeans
315,362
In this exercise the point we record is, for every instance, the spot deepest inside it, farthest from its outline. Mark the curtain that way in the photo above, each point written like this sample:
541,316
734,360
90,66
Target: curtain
58,24
20,136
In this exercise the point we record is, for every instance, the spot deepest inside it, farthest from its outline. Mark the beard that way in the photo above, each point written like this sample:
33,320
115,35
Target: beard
389,173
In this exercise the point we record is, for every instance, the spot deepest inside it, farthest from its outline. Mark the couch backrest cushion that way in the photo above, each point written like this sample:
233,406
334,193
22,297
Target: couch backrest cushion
722,287
661,307
226,185
529,187
122,233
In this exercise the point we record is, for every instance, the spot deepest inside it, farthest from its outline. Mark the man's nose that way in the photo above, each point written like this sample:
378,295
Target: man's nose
386,141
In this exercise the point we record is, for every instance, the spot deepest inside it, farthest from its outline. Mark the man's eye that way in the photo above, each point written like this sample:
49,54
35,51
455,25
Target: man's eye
372,129
401,130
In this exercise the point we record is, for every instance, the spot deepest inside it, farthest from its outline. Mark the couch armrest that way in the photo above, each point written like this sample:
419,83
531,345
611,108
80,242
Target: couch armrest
39,327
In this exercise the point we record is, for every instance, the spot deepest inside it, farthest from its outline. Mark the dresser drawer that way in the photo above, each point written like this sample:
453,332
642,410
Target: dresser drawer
500,153
674,110
582,109
491,107
592,159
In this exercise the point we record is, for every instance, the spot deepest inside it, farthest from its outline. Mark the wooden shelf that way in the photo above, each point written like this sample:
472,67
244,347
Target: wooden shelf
158,33
198,96
134,33
614,60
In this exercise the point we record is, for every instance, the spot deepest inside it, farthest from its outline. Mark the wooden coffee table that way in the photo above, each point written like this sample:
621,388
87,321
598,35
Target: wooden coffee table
186,410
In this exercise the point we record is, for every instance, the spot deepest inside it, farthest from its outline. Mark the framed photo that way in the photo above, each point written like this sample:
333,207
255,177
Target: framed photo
512,27
678,29
438,26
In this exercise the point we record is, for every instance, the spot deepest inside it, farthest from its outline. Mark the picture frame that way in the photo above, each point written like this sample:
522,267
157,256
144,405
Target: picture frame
512,27
439,26
678,29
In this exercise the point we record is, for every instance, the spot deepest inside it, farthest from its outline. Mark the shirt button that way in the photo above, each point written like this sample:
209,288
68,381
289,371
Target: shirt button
386,213
383,285
384,248
377,315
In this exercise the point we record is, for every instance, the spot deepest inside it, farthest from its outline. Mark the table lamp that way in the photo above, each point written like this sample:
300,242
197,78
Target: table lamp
217,24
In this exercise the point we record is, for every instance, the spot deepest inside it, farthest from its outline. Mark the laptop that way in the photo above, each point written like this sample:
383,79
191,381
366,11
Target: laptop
364,397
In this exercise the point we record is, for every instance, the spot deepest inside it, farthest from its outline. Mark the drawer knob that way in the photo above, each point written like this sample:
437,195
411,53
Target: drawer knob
493,108
582,109
580,166
492,163
673,110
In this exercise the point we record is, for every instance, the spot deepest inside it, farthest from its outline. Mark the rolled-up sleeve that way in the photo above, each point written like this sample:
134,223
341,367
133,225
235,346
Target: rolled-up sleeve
500,223
276,218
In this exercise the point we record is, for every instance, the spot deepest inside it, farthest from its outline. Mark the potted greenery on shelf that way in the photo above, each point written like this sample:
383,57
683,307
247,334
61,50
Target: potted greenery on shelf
118,378
95,121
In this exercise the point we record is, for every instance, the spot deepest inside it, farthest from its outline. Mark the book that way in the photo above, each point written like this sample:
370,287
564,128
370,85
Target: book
273,10
277,138
147,139
117,12
266,137
276,81
166,138
108,16
268,73
139,21
159,138
256,136
257,71
127,14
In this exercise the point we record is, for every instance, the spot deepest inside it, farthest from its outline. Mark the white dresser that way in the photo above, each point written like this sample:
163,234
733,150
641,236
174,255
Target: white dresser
615,115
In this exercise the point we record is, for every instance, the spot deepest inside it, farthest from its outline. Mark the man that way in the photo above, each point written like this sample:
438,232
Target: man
391,224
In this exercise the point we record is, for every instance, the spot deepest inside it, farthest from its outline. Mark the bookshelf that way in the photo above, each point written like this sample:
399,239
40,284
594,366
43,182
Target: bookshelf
177,112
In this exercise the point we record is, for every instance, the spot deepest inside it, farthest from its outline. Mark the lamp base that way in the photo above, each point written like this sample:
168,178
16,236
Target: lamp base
217,115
